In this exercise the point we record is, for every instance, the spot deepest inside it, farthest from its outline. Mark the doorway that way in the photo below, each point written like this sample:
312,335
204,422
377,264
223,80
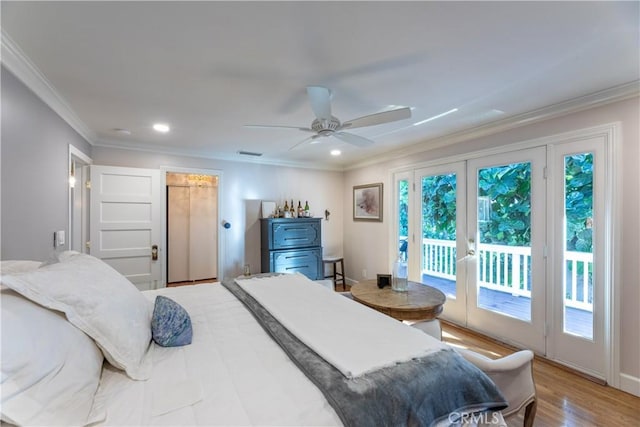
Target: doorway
192,243
517,240
78,200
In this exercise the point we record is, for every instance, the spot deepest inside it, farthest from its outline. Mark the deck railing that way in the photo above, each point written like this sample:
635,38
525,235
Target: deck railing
508,269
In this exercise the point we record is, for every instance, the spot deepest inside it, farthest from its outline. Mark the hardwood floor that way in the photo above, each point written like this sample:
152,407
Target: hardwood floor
564,397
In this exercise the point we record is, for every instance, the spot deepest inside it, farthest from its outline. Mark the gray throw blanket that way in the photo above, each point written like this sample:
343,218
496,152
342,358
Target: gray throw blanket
420,392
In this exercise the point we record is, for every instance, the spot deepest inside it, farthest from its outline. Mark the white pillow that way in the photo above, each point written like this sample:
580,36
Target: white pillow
16,266
50,368
21,266
98,300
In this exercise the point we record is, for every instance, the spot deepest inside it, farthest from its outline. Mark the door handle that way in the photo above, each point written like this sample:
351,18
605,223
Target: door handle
471,247
154,252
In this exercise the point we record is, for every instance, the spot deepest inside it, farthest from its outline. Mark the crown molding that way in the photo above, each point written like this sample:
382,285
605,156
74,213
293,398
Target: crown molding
15,60
574,105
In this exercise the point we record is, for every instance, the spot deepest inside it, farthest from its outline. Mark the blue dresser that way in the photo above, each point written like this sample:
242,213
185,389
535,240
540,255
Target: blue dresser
292,245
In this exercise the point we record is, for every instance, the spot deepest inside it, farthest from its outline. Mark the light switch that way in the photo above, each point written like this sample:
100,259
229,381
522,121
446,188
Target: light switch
58,238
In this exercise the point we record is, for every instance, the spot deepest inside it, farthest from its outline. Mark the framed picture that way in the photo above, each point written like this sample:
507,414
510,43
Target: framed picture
367,202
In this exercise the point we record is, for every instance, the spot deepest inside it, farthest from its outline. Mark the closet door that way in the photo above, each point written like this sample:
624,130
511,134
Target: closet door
202,234
178,231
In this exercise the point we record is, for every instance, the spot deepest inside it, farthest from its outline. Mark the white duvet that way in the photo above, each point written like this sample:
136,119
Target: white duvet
232,374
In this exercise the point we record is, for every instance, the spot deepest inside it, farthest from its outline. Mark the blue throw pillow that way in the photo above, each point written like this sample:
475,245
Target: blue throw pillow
170,324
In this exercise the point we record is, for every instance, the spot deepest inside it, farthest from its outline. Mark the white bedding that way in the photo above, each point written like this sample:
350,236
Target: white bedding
336,328
232,374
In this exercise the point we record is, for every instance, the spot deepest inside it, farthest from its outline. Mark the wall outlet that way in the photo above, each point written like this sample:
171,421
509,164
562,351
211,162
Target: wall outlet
364,273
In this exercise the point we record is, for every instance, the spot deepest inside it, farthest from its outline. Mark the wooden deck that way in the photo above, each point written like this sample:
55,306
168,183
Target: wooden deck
578,322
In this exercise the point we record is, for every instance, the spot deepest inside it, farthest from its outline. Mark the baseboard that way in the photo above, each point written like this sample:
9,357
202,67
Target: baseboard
630,384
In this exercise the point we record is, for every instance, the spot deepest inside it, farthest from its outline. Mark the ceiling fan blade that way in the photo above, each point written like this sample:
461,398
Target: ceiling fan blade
278,127
378,118
320,100
353,139
302,142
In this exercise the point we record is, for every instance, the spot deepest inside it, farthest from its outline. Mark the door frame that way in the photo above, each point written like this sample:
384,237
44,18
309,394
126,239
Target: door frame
612,133
163,218
606,176
81,161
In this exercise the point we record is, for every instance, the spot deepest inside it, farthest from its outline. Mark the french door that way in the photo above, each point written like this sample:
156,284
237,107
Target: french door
480,228
517,242
580,292
441,249
506,233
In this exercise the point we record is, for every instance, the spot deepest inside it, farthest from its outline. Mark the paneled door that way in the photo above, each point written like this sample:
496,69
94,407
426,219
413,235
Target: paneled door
506,234
125,222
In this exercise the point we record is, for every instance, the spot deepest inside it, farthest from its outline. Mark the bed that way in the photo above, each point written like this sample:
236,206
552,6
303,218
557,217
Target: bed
79,347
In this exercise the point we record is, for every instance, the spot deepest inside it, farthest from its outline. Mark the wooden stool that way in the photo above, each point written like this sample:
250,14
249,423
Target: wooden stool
337,275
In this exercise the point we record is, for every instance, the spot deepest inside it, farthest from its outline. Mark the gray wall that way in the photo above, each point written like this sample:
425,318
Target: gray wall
34,180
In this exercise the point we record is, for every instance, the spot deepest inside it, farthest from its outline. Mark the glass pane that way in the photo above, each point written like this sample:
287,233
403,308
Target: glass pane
578,251
438,245
504,249
403,217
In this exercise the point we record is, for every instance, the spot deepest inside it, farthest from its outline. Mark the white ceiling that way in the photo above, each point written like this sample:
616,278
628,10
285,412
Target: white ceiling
208,68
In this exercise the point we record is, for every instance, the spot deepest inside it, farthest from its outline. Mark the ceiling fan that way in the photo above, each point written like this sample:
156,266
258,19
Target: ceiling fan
325,125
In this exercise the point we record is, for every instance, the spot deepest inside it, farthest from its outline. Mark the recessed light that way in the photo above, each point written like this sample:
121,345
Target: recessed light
336,152
122,131
161,127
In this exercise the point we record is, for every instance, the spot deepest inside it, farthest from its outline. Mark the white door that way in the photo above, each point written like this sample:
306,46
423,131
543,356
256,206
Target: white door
125,222
203,239
178,219
441,234
579,282
506,273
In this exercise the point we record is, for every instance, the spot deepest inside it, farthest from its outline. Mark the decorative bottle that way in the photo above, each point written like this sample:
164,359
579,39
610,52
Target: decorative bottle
399,282
292,209
300,214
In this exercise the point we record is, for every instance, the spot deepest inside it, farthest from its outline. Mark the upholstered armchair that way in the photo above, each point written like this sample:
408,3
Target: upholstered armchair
513,375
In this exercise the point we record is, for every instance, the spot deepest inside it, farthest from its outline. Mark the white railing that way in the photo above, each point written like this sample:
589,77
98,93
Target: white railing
578,291
439,258
507,269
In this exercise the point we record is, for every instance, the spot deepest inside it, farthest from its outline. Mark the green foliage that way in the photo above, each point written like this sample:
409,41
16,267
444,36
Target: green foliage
508,188
507,192
403,203
579,201
439,207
